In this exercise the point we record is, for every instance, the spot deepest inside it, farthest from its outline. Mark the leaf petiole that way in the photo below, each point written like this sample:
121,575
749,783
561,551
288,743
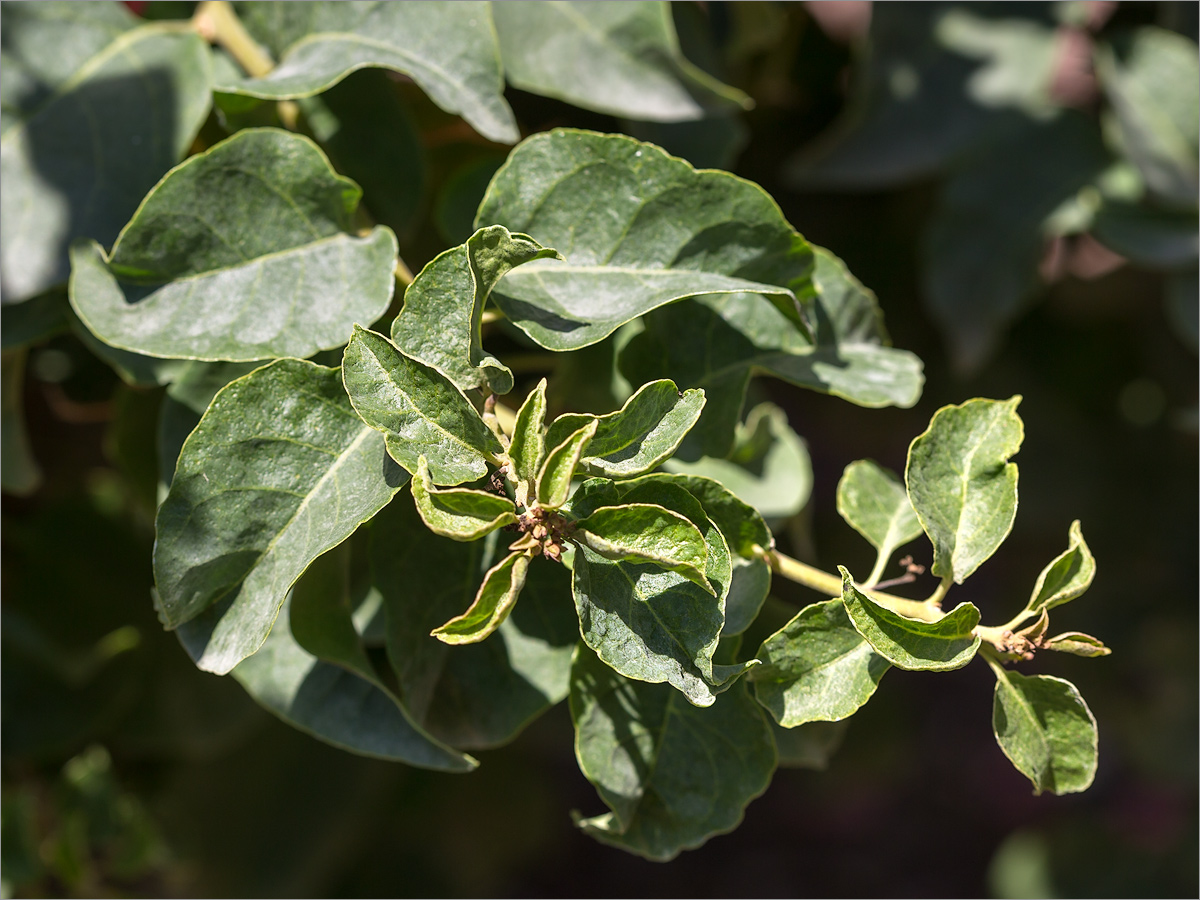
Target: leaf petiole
831,585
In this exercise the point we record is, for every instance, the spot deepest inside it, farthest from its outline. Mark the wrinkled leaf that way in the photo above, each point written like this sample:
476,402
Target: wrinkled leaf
278,471
1076,643
1046,730
912,644
93,115
462,514
472,695
617,58
638,229
673,774
419,411
817,668
528,442
448,49
440,321
1067,577
244,252
643,532
554,478
874,503
501,586
961,485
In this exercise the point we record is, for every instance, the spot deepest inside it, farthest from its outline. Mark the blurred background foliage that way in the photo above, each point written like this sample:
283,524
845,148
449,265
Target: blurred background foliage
1017,183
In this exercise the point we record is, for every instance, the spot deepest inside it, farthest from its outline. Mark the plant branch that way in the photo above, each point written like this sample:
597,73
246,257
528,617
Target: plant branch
831,585
935,599
217,23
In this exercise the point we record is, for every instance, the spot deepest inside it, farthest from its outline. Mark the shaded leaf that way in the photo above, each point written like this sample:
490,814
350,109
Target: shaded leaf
1067,577
278,471
808,746
244,252
418,409
949,643
673,774
93,115
1155,237
1076,643
554,478
638,229
462,514
643,532
448,49
1046,730
497,594
638,436
194,384
874,503
34,320
528,444
472,695
961,485
817,668
440,321
20,475
617,58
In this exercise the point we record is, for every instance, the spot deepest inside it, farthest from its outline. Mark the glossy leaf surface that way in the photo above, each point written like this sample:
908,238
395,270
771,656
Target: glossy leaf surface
638,229
961,484
93,115
911,643
645,533
818,668
673,774
874,503
440,321
499,591
462,514
1067,577
278,471
418,409
1047,731
448,49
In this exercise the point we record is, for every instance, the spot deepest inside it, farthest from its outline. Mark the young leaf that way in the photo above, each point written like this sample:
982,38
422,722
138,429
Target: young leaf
961,484
912,644
1076,643
638,229
1067,577
1046,730
448,49
638,436
554,478
673,774
461,514
246,251
469,695
419,411
718,342
94,114
439,323
278,471
501,586
621,59
817,668
528,442
874,503
645,533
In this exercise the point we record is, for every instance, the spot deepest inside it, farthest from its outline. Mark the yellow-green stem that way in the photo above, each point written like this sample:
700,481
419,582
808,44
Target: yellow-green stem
216,21
831,585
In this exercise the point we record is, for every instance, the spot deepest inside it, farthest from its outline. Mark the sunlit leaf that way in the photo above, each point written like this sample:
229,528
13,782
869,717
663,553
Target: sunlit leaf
1067,577
463,514
497,594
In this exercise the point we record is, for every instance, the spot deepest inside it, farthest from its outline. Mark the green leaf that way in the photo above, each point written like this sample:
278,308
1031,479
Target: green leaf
278,471
194,384
554,478
418,409
528,442
874,503
912,644
1046,730
718,342
1151,79
1067,577
34,320
649,623
244,252
817,668
638,229
673,774
1076,643
617,58
1149,235
93,115
471,695
339,706
20,474
462,514
501,586
448,49
808,746
961,485
643,532
638,436
440,321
